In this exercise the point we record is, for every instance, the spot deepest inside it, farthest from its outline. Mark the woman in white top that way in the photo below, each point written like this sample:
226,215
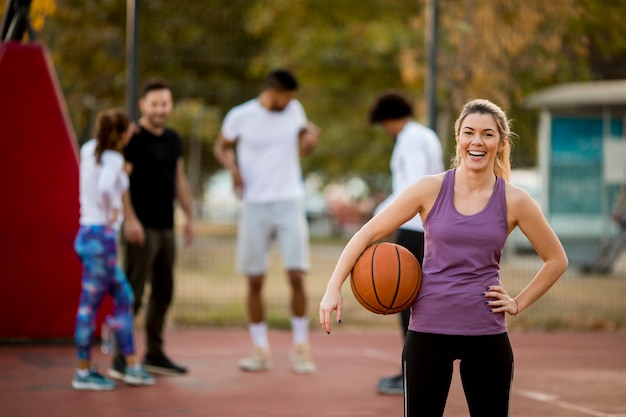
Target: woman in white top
103,182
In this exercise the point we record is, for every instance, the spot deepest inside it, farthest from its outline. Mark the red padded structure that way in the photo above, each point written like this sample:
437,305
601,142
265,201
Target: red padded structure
39,270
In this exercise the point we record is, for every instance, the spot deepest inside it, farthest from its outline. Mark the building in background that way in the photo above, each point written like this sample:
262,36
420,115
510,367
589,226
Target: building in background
582,160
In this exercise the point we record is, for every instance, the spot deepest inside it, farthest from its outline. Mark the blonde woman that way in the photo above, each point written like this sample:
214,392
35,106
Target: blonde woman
467,212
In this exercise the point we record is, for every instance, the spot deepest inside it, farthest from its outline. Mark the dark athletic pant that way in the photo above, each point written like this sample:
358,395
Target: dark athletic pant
154,263
486,366
414,242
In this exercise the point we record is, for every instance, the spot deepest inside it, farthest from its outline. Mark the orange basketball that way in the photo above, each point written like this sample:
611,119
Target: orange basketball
386,278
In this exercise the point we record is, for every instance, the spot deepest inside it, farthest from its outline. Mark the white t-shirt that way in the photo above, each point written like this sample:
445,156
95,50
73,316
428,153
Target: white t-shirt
268,152
101,185
417,152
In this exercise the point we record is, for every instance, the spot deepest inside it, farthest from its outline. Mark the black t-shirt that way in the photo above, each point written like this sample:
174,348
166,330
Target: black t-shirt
153,179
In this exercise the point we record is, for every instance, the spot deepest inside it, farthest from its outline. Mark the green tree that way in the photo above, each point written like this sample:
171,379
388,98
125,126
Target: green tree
344,55
199,124
87,42
201,50
494,49
344,52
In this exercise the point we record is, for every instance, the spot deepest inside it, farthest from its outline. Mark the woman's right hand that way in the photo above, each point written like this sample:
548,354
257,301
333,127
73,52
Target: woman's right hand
332,300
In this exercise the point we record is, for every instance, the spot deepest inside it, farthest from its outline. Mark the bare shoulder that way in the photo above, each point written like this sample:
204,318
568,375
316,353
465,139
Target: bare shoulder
427,185
431,182
424,192
519,203
516,195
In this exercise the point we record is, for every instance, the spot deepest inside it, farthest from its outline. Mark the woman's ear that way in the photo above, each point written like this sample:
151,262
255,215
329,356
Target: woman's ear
503,143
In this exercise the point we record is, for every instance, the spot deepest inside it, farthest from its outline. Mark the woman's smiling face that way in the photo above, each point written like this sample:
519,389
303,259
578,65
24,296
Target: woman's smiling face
479,140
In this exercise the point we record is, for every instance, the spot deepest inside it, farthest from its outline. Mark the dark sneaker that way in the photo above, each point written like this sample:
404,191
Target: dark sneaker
162,365
393,385
118,368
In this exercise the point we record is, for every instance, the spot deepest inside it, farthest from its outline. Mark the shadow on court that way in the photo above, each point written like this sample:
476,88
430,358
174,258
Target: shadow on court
557,375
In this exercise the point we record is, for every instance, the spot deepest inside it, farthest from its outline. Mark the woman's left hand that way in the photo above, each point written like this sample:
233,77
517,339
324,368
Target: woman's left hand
503,301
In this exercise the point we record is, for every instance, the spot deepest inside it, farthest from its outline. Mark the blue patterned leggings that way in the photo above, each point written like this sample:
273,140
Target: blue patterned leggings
96,246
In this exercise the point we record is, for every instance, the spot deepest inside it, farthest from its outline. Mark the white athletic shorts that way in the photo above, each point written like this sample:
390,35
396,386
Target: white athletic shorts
262,223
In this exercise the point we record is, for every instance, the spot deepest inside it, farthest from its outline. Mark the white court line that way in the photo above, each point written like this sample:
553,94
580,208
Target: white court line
554,400
367,352
534,395
383,356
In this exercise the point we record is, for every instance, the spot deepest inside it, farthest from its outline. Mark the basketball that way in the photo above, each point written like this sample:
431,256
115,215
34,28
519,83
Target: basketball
386,278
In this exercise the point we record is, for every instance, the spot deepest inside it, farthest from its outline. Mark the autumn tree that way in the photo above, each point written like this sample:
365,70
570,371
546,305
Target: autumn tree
344,52
495,49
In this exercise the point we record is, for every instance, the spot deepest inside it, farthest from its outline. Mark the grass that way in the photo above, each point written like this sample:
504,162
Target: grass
209,292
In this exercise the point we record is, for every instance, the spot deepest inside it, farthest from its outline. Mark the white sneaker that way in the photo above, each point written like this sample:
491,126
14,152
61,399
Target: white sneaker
301,359
259,360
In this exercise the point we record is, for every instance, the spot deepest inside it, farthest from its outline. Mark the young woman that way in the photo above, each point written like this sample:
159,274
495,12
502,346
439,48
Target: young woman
102,184
467,212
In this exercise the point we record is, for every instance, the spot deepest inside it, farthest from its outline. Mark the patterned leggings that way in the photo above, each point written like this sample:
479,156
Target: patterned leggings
96,246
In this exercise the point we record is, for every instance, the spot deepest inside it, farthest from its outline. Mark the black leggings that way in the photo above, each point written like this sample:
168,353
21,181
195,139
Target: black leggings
486,365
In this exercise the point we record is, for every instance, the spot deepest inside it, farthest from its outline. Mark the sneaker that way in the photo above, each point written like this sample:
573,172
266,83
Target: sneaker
163,365
301,359
118,368
259,360
93,381
393,385
137,375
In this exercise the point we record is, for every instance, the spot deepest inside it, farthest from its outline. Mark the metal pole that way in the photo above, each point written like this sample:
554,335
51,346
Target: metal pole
16,21
431,85
132,25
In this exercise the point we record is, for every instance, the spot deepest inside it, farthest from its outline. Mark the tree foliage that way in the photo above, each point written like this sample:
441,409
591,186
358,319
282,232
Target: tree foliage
39,11
493,49
345,55
215,53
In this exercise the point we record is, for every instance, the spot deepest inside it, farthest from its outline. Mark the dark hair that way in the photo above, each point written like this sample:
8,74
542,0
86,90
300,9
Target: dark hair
281,80
390,105
111,125
156,83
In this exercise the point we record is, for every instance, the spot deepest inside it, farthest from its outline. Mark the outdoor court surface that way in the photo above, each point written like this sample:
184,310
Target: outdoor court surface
559,375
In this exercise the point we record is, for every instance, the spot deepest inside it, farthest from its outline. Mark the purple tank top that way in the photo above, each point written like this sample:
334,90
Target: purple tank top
461,258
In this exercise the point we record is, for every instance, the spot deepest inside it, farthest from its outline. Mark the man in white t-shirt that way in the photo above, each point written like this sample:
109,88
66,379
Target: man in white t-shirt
260,143
417,152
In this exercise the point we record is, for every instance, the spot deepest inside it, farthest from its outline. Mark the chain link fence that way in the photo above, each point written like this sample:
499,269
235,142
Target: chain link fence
209,292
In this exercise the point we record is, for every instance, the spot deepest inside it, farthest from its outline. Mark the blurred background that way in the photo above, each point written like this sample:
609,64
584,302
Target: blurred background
570,154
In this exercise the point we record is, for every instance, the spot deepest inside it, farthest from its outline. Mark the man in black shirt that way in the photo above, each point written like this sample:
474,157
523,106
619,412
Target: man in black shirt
155,165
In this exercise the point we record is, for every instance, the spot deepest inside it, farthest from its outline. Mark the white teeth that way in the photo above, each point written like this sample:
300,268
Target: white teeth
474,153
